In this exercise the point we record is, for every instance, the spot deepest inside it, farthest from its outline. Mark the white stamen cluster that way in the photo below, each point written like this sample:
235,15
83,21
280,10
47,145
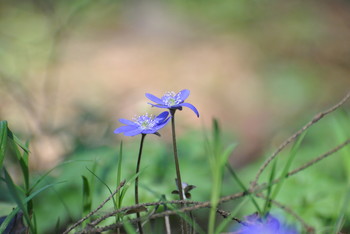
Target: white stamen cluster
171,99
145,121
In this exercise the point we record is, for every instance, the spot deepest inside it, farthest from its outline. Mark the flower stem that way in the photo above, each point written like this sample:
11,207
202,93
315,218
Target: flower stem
177,166
137,182
178,174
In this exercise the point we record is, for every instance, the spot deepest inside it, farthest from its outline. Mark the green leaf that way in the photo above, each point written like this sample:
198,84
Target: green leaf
267,205
216,137
23,162
41,178
226,154
16,140
25,170
3,141
240,183
26,200
12,188
87,199
104,183
291,157
128,183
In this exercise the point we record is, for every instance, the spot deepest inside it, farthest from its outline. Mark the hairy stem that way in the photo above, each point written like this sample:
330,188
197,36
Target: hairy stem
137,181
177,166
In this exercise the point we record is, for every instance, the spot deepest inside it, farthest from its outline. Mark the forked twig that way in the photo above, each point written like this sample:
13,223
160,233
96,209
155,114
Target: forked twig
135,207
295,135
97,209
254,189
200,205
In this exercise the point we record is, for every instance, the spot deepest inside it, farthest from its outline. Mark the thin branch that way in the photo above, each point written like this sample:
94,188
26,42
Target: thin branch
135,207
319,158
226,214
97,209
317,117
199,205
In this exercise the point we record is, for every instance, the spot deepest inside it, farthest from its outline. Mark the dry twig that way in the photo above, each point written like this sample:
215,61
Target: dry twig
97,209
317,117
254,189
200,205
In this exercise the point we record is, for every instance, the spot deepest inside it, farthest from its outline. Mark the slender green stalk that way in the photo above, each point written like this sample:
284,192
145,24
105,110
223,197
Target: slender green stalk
137,181
240,183
177,166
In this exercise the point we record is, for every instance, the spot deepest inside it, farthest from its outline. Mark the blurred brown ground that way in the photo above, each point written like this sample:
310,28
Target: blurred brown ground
151,49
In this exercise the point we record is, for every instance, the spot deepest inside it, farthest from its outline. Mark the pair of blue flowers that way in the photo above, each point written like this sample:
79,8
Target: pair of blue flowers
148,124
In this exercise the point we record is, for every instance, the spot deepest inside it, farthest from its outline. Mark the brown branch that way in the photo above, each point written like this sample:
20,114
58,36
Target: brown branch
319,158
135,207
317,117
97,209
226,215
199,205
301,168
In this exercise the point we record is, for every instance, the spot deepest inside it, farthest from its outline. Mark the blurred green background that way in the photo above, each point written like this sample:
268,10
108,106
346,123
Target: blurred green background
70,69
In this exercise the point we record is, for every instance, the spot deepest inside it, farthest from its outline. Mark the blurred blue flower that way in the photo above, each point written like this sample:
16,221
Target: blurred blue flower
144,124
172,101
254,224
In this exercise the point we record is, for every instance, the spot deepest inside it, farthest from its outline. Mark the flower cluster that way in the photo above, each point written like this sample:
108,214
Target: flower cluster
146,124
254,224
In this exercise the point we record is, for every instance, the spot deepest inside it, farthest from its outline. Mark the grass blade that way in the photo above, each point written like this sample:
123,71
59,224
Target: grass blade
41,178
104,183
240,183
17,141
87,199
291,157
16,197
3,141
26,200
267,205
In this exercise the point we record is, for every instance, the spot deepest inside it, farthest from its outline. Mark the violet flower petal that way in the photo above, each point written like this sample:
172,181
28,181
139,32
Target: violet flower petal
154,98
194,109
133,132
183,94
127,122
125,129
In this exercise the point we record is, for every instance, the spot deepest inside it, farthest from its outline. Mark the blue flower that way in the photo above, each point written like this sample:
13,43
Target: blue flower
172,101
144,124
254,224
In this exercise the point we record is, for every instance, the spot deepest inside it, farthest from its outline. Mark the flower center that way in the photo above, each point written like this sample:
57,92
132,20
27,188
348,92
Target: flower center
171,99
145,121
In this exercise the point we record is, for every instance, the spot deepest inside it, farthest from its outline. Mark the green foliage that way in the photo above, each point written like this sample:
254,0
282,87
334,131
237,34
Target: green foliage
218,156
322,202
87,196
272,195
3,141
